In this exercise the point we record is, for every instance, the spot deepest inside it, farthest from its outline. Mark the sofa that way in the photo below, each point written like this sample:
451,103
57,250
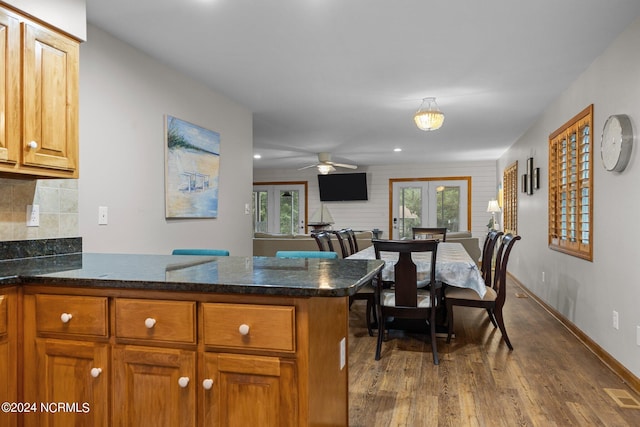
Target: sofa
470,243
267,244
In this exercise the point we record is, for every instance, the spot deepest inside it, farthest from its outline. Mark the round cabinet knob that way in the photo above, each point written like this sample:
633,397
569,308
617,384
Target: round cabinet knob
244,329
183,381
33,144
149,322
65,317
95,372
207,384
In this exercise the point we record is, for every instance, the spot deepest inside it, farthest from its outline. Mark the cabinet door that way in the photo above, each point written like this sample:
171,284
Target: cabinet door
50,93
10,82
248,391
8,356
154,387
74,374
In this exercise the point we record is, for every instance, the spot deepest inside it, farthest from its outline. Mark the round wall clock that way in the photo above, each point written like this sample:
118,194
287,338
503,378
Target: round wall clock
617,139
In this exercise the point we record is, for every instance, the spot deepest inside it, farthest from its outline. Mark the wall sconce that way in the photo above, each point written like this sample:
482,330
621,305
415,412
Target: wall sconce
531,180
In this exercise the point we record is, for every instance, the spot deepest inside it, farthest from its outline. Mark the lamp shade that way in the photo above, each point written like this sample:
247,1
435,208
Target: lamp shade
493,206
429,117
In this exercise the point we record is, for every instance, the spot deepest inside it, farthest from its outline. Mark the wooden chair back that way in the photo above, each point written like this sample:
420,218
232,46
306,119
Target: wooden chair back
323,239
345,242
353,240
439,233
488,250
502,258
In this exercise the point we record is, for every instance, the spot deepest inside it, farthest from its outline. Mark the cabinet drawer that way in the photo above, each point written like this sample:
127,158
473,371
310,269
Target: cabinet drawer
74,315
267,327
4,301
156,320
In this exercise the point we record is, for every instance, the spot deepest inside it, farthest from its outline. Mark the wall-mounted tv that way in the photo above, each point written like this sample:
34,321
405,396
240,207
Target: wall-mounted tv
340,187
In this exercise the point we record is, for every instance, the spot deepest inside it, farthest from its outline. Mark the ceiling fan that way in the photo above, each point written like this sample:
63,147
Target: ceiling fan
325,165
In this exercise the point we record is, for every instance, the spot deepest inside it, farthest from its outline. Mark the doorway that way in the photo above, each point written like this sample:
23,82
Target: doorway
280,207
429,202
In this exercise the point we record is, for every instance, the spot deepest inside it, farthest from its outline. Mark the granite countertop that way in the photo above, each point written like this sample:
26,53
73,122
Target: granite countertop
232,275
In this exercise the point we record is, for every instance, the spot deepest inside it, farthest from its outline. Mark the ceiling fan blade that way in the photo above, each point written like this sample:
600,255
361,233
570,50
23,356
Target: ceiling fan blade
342,165
308,166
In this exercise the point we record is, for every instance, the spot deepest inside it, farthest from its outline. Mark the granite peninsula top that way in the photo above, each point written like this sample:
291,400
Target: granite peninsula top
233,275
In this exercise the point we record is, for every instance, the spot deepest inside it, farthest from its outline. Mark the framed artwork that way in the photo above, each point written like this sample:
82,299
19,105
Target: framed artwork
192,164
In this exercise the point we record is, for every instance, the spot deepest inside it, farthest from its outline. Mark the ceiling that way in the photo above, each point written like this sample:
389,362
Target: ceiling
346,76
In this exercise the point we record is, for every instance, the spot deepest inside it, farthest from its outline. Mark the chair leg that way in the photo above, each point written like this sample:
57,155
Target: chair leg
503,330
434,344
492,317
381,327
370,314
449,321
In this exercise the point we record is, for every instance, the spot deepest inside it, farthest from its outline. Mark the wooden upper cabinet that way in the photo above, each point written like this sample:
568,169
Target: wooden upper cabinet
10,82
50,99
39,133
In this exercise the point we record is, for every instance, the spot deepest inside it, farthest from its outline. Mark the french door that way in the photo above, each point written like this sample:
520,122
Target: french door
429,202
279,208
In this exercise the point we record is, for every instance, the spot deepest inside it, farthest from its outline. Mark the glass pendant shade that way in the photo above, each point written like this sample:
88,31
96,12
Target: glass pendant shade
325,169
429,117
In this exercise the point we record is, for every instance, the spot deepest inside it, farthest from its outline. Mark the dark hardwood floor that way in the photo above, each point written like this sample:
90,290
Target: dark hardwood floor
550,379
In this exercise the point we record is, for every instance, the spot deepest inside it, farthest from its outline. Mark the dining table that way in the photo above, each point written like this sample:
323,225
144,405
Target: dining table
454,266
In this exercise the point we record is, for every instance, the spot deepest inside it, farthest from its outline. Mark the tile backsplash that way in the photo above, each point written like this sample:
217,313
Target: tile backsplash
58,201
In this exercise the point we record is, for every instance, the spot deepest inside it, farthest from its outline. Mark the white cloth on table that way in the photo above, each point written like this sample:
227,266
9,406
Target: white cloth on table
454,266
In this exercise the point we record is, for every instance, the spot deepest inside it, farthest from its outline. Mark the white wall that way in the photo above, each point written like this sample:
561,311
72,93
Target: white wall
124,96
588,292
67,15
374,213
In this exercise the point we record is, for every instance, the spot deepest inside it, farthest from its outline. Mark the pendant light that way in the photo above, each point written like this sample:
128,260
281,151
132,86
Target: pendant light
429,117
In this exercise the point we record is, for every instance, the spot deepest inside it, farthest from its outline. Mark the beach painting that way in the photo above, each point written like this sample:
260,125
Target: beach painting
192,156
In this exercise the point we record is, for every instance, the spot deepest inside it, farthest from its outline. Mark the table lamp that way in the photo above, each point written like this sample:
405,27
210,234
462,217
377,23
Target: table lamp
493,207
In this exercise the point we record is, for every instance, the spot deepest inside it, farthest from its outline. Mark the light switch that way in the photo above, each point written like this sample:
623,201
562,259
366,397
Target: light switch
103,215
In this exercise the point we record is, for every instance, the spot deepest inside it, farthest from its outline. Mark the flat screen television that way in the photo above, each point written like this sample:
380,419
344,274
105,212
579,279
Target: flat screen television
340,187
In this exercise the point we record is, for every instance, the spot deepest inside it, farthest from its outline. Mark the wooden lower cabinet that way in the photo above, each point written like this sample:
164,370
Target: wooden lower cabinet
159,359
73,384
248,391
154,387
8,354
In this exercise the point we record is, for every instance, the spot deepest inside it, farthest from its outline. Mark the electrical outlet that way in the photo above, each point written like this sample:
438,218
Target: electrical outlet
616,324
33,215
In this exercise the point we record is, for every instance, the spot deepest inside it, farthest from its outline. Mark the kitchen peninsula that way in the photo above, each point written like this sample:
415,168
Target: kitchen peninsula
180,340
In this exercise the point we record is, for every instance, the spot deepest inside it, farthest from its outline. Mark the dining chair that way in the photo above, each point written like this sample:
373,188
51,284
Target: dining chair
349,246
346,247
353,240
207,252
323,239
488,251
407,298
307,254
439,233
494,297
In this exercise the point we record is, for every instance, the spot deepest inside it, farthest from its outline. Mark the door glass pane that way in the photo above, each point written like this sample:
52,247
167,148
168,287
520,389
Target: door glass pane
448,207
409,211
289,215
260,218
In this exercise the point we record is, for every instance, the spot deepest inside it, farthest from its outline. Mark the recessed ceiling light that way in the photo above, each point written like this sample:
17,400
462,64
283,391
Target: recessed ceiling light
397,150
257,156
